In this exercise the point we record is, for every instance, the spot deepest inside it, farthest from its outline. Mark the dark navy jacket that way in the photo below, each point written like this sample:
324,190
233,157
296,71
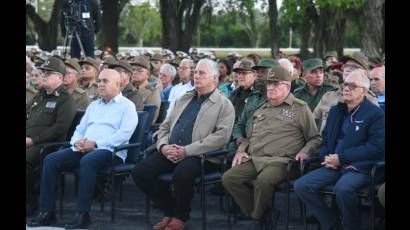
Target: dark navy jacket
363,142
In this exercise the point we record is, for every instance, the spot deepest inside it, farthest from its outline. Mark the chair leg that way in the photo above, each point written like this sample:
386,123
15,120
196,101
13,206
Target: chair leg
76,184
113,193
147,209
121,190
62,188
203,206
228,203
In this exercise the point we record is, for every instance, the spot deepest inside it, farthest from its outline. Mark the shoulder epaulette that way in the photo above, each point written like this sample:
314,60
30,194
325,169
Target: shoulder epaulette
298,101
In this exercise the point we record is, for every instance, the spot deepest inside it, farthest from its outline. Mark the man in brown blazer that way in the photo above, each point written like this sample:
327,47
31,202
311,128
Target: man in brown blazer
201,121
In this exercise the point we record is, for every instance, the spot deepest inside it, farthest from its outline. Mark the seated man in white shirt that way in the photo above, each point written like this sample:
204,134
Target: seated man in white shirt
107,122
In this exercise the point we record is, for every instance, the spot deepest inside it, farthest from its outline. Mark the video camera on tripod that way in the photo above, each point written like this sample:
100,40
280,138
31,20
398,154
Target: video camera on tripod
73,18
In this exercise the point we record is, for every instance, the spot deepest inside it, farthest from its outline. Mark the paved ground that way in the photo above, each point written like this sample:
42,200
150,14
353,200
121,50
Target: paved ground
131,213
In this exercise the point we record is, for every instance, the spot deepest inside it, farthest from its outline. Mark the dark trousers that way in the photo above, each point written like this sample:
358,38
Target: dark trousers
32,175
65,160
345,187
88,44
175,203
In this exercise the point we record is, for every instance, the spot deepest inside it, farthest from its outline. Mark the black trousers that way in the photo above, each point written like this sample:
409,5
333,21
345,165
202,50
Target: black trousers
175,202
88,44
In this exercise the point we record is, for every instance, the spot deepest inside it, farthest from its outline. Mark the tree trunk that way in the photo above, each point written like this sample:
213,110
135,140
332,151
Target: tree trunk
179,21
109,30
274,30
47,31
305,31
371,27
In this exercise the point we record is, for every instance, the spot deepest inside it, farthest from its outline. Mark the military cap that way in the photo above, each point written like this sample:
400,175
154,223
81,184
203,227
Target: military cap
266,63
73,63
312,63
121,63
245,64
357,57
331,54
142,61
90,61
156,57
108,60
278,73
54,64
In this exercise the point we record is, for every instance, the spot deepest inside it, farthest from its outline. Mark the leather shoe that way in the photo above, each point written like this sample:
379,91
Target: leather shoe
42,219
175,224
81,220
162,224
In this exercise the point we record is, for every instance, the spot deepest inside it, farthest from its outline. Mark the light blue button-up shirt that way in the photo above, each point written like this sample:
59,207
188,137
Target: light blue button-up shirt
108,124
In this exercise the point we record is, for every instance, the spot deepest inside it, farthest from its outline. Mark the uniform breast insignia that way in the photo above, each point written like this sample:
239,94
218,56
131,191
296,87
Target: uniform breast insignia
246,100
56,93
51,104
287,113
357,128
34,105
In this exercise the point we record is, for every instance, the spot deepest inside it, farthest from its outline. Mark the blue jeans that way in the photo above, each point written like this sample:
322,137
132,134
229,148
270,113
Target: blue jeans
66,160
346,186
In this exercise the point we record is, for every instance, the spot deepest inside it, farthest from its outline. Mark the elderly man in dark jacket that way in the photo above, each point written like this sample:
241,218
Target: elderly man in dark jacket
353,140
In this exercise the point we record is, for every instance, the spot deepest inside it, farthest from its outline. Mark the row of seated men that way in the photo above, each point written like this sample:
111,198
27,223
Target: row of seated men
273,127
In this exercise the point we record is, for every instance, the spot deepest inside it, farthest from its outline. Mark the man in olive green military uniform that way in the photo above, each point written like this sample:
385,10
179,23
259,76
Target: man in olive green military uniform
49,117
150,92
88,79
315,86
331,98
72,74
127,89
256,97
282,129
156,62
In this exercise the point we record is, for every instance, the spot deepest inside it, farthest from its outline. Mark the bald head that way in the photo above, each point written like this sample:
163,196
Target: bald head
377,80
109,83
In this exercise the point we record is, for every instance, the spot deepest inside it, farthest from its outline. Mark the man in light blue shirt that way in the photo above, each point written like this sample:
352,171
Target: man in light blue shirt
107,122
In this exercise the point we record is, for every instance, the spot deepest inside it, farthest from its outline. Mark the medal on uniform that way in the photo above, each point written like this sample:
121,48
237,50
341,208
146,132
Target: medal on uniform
287,113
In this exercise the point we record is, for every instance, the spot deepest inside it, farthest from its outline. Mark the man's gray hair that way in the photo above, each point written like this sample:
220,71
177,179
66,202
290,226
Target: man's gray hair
169,69
285,63
213,66
365,82
187,60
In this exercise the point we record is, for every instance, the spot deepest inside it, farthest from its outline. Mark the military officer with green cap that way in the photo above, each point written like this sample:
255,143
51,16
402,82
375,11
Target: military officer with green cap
71,77
150,92
48,118
127,89
281,129
88,80
315,86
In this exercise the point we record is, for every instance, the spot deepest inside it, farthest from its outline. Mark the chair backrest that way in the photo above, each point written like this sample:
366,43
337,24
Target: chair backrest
151,110
77,118
162,111
138,136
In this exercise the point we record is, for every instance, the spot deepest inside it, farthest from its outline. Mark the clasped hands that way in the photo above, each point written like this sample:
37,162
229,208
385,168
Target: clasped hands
85,145
174,153
331,161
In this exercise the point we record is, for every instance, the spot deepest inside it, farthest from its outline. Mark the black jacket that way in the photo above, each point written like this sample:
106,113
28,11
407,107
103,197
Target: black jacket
86,26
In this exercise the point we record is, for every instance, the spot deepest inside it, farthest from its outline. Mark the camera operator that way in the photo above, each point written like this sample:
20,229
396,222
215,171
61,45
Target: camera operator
85,17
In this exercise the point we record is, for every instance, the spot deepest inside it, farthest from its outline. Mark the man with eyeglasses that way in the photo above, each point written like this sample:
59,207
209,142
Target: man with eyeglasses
72,74
150,93
353,140
127,89
357,61
48,118
315,87
185,72
88,79
281,129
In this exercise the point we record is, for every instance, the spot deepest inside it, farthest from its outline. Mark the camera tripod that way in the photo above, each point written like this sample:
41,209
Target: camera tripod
72,31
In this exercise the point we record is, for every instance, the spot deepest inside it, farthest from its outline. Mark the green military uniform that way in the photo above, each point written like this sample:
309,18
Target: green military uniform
30,93
91,90
150,96
303,92
276,135
48,119
331,99
81,99
297,83
312,100
132,94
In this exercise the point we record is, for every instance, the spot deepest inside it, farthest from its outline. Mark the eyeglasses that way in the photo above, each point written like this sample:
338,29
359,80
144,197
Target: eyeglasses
351,67
351,85
243,73
70,73
47,74
275,83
